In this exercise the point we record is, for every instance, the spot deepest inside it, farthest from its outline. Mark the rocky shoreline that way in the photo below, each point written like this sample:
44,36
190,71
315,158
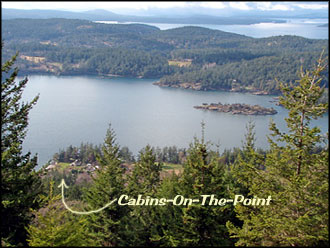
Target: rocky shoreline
238,108
198,86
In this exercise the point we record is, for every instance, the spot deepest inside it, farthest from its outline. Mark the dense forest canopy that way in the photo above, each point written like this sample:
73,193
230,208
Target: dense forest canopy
213,59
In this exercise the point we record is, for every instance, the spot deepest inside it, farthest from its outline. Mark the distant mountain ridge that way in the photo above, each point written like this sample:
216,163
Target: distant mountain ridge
45,14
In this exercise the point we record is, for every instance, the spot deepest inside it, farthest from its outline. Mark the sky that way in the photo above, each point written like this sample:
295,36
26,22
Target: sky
122,6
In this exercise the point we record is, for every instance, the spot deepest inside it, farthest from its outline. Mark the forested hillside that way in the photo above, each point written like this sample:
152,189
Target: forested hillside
205,59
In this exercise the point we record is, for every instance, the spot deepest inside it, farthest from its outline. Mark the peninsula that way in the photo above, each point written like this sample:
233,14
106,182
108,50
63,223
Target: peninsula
238,108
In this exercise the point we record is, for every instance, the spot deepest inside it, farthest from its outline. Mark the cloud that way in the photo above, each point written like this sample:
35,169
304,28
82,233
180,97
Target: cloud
312,6
271,6
213,5
239,5
83,6
78,6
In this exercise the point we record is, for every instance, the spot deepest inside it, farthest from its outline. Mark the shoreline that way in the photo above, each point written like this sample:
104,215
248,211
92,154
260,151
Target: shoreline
237,108
198,87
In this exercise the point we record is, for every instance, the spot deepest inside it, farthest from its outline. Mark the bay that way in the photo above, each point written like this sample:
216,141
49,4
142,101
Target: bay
75,109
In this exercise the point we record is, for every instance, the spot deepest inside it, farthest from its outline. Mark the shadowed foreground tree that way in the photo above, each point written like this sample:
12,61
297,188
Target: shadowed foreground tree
19,182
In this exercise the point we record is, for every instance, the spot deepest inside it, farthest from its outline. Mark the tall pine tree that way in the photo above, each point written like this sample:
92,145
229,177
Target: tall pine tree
145,176
19,182
204,225
144,181
108,226
197,224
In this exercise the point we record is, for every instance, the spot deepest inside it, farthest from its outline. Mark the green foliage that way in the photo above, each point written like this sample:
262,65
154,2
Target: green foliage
204,175
219,56
56,226
170,154
144,180
259,72
125,62
145,177
293,175
108,226
167,219
126,155
20,184
195,224
77,189
86,153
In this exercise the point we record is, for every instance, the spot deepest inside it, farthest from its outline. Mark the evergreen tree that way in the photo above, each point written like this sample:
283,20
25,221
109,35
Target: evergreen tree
168,218
204,175
294,176
19,182
108,226
197,224
249,156
145,176
144,181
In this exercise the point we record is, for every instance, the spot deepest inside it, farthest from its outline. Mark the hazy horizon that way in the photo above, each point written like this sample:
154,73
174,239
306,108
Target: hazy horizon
180,8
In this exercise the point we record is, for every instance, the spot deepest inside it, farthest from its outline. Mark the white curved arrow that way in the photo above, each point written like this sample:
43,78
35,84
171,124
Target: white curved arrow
63,184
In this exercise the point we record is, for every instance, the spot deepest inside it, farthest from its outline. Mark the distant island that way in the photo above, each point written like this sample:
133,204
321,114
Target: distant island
325,25
238,108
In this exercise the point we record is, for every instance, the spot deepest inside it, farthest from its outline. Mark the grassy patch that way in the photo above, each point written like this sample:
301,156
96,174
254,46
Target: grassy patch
61,167
34,59
179,63
169,166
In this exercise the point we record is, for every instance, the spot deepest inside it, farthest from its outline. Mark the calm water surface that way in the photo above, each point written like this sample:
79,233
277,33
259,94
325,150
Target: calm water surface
308,28
78,109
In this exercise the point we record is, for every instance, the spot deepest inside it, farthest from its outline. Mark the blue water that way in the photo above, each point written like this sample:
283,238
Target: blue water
308,28
75,109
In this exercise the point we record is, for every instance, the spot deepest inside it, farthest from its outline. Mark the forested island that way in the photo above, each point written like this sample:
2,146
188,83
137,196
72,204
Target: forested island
237,108
187,57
